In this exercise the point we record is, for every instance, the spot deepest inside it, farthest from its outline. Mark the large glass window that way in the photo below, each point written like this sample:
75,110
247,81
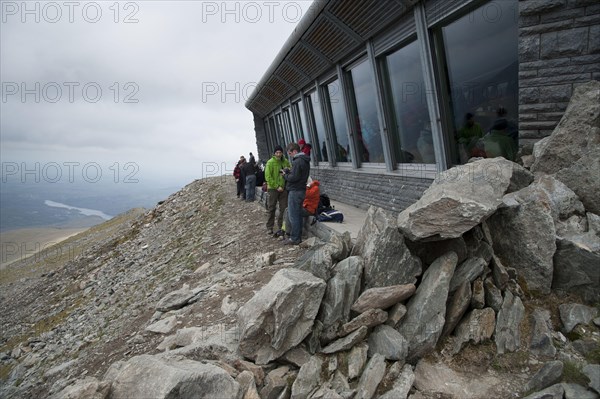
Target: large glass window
339,132
287,127
481,51
368,132
411,127
302,125
321,146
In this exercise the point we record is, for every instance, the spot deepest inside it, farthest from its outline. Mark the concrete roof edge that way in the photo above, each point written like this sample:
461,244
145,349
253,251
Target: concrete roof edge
311,15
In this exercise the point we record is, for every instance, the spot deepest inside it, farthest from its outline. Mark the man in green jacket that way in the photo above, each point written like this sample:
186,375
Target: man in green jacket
276,189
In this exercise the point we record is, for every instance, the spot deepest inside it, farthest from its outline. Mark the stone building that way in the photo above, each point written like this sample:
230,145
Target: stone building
381,88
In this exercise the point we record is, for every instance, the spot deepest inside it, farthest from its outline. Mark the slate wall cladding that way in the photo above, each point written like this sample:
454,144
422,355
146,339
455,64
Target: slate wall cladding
559,48
392,192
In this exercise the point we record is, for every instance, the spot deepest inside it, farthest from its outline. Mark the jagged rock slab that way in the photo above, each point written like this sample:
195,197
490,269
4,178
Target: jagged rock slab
592,371
572,151
247,385
257,371
357,360
148,376
175,300
468,270
575,391
371,377
499,273
388,342
163,326
457,306
461,197
276,383
572,314
88,388
321,259
508,324
441,379
342,290
387,258
548,375
576,265
493,295
402,384
183,337
349,341
424,320
477,327
280,315
369,318
478,297
395,314
554,392
524,236
564,203
298,356
383,297
541,337
309,378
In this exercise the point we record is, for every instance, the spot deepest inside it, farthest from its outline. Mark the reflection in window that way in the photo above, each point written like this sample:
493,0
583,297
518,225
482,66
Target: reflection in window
274,133
287,127
340,131
481,51
321,146
302,125
412,137
368,132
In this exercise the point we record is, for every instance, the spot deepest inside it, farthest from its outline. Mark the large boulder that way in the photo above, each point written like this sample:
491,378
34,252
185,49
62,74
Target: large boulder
424,320
387,258
461,197
148,376
342,290
280,315
572,152
524,236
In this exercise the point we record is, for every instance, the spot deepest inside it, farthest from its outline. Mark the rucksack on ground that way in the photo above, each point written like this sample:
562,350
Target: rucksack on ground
330,215
324,204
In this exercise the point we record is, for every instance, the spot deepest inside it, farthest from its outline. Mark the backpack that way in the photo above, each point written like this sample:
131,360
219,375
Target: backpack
331,215
324,204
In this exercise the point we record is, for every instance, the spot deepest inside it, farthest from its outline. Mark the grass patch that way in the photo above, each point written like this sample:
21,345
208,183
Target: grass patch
572,374
511,362
593,356
5,370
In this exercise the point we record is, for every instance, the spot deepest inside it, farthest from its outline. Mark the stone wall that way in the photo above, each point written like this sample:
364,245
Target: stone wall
392,192
261,138
559,49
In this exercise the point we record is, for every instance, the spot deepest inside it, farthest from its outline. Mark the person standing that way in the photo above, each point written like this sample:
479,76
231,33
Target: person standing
239,180
276,189
249,174
296,180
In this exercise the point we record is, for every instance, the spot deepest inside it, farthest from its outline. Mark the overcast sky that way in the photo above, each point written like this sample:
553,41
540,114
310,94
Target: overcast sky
152,87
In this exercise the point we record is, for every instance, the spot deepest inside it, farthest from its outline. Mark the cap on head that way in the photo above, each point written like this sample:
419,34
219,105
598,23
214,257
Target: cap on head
278,148
301,142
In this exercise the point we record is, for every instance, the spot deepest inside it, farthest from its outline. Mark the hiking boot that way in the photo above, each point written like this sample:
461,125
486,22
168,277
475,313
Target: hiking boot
270,232
291,242
279,233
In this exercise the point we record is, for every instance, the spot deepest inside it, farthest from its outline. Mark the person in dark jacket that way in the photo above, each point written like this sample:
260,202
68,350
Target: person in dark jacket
249,174
239,179
296,180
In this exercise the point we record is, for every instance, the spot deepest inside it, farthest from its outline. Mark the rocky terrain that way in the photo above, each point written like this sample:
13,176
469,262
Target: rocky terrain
487,287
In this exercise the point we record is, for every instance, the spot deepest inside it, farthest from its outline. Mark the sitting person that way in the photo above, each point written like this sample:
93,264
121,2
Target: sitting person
309,206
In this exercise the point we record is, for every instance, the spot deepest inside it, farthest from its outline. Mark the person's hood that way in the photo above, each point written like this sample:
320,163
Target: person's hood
302,155
315,183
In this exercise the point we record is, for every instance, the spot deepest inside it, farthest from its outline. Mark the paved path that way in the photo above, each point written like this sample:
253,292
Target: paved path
354,218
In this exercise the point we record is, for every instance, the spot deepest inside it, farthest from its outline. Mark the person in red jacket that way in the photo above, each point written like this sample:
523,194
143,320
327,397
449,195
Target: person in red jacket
304,147
309,206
